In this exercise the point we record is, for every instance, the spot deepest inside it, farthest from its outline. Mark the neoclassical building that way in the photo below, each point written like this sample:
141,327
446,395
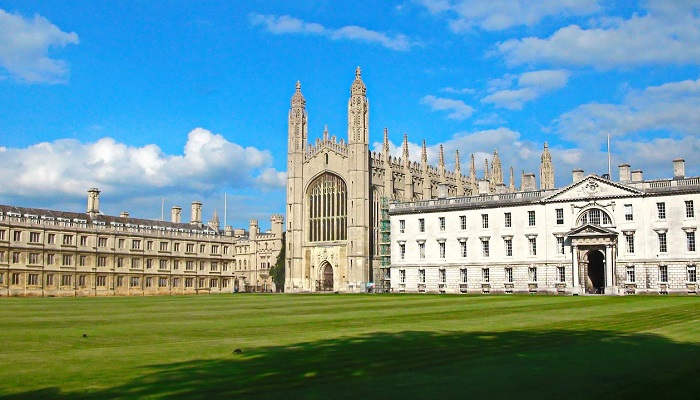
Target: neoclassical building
594,236
337,191
59,253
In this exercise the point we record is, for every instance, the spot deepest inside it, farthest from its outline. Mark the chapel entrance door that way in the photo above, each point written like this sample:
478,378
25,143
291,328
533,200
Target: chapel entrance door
595,277
326,277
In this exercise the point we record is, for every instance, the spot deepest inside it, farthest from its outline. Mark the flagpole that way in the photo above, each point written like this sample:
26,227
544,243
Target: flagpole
609,160
225,220
162,205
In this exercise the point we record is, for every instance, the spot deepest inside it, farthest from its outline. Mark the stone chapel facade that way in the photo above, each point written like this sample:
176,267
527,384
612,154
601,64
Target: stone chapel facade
335,190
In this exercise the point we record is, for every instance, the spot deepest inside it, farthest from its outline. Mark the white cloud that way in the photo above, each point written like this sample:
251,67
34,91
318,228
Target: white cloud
494,15
671,107
24,48
285,24
531,85
454,90
457,108
669,33
65,168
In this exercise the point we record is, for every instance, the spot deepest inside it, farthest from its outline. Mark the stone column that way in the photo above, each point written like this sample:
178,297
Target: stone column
575,265
608,269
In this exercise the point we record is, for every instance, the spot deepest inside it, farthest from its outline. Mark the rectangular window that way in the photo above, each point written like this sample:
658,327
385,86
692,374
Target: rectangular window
17,236
692,276
135,263
189,265
120,243
213,283
176,282
630,274
67,239
560,244
33,279
533,246
134,281
49,259
442,223
630,243
66,280
201,265
485,247
463,275
120,281
663,273
463,222
83,240
463,248
163,246
443,275
189,282
34,237
49,280
15,258
176,247
101,261
690,240
508,246
662,242
560,216
402,250
402,276
531,218
51,238
485,221
509,275
149,281
149,263
15,278
120,262
508,219
661,210
34,258
102,242
190,248
532,274
81,280
421,225
485,275
689,209
561,271
224,267
149,245
402,225
442,249
421,249
82,261
163,264
101,280
2,235
629,216
2,257
421,276
136,244
162,282
202,248
67,259
214,249
213,266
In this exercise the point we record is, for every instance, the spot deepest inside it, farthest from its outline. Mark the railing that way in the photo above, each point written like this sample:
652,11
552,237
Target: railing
483,198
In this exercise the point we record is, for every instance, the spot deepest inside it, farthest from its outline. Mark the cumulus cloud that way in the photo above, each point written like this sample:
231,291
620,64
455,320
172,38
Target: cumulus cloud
495,15
285,24
457,108
24,48
531,85
65,168
668,33
454,90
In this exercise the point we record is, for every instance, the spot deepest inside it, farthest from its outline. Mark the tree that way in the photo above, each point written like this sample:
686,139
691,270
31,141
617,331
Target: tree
277,271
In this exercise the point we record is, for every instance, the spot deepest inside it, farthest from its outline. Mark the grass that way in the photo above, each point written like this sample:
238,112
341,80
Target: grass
349,346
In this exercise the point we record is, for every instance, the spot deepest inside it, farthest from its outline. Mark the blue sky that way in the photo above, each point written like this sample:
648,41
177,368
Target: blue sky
188,100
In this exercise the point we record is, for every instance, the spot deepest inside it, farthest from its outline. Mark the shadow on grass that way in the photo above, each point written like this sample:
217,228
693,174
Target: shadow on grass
522,364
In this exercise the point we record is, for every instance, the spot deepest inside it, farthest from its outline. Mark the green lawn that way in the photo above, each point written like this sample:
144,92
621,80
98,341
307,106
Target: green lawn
350,346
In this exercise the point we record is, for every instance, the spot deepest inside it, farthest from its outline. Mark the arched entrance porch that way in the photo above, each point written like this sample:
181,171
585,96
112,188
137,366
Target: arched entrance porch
326,278
595,272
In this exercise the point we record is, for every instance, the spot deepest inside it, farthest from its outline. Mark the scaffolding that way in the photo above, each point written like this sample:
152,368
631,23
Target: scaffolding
384,284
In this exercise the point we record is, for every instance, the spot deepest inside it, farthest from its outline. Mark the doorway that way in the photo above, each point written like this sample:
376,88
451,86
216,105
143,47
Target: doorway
327,278
595,279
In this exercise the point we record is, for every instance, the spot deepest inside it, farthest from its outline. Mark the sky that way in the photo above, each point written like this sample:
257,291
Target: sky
169,102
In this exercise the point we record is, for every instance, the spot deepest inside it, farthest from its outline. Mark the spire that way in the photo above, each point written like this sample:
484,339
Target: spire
458,175
472,171
496,169
214,222
546,169
458,168
358,87
511,184
325,132
298,98
386,142
441,162
424,155
404,153
486,169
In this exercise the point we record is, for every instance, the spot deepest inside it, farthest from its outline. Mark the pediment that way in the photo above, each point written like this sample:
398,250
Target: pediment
593,187
591,230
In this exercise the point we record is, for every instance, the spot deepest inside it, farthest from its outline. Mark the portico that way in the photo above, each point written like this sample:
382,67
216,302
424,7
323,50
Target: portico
593,259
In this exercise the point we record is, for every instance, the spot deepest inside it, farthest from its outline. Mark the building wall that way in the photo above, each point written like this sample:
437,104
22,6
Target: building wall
215,264
645,259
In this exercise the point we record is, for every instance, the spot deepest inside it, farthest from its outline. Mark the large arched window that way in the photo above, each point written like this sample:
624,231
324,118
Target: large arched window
327,208
595,216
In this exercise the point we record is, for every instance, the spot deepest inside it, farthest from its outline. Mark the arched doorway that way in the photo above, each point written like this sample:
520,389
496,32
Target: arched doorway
326,277
595,276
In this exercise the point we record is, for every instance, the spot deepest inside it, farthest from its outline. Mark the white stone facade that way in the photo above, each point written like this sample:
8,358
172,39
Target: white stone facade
595,258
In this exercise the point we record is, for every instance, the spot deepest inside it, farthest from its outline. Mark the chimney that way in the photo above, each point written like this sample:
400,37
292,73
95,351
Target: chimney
577,175
528,184
253,229
483,186
175,213
637,176
124,214
678,168
196,214
93,201
276,224
228,230
624,173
